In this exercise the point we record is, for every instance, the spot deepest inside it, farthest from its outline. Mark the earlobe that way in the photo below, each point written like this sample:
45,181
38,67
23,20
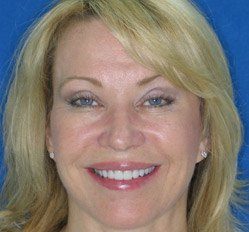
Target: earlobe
203,150
51,155
204,154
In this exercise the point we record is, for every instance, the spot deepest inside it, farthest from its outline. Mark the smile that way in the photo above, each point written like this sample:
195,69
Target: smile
122,176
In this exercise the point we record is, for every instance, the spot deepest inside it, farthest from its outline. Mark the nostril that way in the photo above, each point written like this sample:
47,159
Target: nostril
121,140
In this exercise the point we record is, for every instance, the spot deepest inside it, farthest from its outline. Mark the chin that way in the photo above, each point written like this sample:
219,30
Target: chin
126,221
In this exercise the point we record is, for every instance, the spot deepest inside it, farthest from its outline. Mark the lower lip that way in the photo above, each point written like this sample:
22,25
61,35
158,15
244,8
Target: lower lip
123,184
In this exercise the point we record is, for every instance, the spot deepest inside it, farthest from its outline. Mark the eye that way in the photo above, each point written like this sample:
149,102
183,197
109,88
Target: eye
86,100
158,101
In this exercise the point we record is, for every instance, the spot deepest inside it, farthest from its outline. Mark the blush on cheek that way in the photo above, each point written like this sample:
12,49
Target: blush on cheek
72,143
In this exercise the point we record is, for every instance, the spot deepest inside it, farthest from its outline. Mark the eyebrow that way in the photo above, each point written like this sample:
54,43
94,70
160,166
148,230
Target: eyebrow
147,80
89,79
99,84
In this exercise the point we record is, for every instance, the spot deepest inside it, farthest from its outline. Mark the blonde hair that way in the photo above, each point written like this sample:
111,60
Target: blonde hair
170,36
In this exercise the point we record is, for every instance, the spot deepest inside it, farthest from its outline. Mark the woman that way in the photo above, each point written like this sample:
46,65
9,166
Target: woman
120,117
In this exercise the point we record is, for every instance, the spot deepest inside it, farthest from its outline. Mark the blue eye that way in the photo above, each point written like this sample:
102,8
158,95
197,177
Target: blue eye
155,101
89,101
83,101
159,101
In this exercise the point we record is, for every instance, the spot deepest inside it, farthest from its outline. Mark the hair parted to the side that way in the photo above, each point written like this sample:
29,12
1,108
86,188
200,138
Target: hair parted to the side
171,37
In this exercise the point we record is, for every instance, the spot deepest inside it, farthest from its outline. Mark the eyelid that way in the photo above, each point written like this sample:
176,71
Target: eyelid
168,100
158,92
83,94
165,93
162,90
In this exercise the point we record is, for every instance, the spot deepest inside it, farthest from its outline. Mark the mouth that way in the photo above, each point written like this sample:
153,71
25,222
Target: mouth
122,176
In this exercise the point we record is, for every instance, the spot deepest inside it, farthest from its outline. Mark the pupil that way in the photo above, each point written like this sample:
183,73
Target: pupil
86,101
155,101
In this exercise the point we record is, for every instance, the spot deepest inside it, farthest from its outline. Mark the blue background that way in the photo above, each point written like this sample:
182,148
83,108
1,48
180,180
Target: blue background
228,17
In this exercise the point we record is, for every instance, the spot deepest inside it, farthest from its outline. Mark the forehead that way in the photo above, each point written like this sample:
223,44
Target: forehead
93,39
89,48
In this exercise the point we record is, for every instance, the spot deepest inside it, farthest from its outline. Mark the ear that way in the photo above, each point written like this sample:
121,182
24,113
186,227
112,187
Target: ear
204,146
49,143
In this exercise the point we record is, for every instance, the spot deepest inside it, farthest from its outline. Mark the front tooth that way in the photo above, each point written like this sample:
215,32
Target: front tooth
118,175
135,174
141,172
124,175
110,174
127,175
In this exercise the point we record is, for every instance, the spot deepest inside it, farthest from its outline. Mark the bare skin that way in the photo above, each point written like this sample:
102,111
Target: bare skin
124,119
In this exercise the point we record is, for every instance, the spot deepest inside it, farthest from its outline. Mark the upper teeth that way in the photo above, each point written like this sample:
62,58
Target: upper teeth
124,175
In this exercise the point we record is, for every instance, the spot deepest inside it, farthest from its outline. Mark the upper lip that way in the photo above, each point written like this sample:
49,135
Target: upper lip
121,165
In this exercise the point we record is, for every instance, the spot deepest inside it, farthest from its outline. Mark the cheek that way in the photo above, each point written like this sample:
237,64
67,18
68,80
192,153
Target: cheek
178,136
74,136
178,142
178,145
69,134
186,138
184,143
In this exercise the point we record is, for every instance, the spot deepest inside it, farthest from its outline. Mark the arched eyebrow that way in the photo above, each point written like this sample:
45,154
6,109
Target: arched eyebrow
147,80
97,83
89,79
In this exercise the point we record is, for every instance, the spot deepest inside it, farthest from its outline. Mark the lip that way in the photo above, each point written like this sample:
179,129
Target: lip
121,165
112,184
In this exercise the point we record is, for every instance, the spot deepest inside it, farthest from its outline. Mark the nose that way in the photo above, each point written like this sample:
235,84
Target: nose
121,133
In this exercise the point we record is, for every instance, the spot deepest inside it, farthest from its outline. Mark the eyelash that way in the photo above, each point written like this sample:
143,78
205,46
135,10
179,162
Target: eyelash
169,100
77,97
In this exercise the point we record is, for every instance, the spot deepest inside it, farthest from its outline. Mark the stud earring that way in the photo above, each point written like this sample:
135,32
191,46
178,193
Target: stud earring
51,154
204,154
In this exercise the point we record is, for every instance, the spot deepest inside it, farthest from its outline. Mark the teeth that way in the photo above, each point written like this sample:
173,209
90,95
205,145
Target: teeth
118,175
128,175
110,174
105,173
135,174
141,172
124,175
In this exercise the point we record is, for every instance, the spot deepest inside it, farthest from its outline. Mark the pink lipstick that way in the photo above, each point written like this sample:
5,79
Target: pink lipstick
124,175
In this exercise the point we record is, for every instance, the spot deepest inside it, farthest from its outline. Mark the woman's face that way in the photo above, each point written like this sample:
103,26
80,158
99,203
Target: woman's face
111,113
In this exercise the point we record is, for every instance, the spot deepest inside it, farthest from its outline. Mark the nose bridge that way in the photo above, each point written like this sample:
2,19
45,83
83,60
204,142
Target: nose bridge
121,125
121,132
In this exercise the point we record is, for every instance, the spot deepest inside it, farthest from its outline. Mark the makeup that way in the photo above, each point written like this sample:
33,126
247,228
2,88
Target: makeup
122,176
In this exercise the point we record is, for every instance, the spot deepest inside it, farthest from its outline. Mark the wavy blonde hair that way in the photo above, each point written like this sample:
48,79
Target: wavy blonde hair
170,36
